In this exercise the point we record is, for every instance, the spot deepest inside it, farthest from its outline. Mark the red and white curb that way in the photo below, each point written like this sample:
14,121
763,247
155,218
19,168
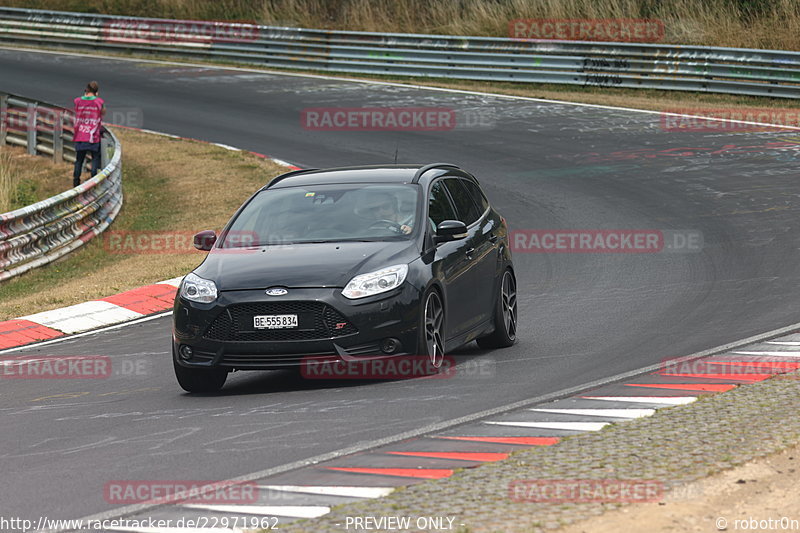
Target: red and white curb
116,309
311,490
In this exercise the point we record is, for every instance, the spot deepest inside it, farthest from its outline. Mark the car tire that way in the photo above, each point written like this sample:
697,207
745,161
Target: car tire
432,333
505,315
200,379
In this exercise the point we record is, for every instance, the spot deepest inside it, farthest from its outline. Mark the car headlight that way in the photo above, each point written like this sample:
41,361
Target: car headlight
376,282
197,289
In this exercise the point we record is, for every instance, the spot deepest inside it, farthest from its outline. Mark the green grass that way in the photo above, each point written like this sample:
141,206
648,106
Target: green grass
27,193
27,179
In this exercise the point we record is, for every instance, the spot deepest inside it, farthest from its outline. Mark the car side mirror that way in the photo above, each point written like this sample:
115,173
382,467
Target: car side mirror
205,240
450,230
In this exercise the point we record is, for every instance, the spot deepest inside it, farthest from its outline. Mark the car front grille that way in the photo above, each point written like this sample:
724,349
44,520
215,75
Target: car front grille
276,361
316,321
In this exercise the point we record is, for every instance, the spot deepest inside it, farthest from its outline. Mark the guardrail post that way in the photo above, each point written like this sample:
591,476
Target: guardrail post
3,118
32,120
58,137
104,157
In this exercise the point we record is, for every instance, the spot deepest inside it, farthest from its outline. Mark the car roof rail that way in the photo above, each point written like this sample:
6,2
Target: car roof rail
426,168
286,175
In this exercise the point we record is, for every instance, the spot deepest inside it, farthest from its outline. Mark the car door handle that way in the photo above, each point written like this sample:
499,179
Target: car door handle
470,251
492,238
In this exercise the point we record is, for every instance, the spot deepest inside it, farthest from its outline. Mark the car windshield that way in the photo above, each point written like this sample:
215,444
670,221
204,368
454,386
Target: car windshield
325,213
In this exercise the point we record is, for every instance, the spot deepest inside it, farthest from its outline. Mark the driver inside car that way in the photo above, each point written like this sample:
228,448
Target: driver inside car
383,207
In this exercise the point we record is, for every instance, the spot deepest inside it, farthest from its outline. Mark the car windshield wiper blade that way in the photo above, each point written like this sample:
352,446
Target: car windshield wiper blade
319,241
333,241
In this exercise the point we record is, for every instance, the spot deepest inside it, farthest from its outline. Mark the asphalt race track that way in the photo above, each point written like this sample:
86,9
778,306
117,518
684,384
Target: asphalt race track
544,166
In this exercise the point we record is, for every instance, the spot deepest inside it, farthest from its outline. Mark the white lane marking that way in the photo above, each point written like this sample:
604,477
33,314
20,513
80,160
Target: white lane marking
665,400
385,83
785,343
160,133
82,317
350,492
175,282
291,511
571,426
616,413
221,145
228,147
771,354
176,529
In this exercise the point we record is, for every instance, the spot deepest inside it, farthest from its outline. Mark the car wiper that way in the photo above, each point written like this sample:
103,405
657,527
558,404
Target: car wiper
330,241
259,245
333,241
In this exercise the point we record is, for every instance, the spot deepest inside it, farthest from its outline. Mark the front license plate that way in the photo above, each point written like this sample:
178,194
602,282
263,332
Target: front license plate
274,321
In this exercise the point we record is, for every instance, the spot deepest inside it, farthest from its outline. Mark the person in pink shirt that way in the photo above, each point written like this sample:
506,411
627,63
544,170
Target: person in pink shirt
89,111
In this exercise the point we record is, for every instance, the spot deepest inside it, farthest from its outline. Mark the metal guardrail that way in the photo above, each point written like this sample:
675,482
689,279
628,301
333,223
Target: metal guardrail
45,231
599,64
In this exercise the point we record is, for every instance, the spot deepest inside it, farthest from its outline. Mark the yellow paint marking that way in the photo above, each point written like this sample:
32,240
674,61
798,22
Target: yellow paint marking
765,210
145,389
72,395
63,396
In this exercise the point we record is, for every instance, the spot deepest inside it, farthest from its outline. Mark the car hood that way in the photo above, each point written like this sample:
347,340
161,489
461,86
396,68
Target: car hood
301,265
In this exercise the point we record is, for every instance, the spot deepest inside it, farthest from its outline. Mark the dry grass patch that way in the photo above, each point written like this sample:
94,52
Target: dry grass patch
9,180
26,179
171,187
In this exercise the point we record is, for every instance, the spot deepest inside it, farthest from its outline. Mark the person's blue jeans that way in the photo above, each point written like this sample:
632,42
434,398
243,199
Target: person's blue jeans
81,149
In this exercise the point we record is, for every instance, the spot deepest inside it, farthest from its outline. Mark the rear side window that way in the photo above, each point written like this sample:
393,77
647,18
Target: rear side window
440,208
477,194
467,210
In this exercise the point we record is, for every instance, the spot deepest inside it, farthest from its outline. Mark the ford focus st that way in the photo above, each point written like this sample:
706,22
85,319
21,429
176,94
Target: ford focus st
343,265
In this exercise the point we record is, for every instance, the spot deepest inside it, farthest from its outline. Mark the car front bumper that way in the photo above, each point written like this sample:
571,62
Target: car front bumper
331,328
